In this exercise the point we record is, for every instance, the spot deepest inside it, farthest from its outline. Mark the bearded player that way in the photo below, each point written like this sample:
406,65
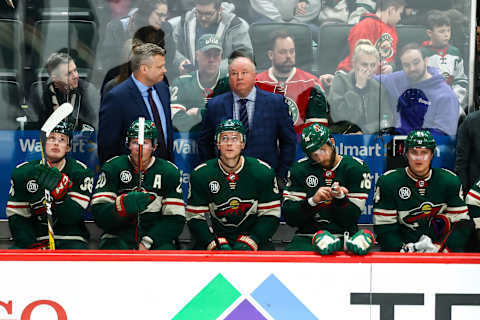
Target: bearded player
70,183
237,195
325,195
420,208
118,203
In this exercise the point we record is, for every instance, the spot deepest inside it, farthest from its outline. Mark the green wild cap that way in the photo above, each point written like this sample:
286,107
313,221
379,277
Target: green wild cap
314,137
209,41
230,125
149,131
420,139
66,128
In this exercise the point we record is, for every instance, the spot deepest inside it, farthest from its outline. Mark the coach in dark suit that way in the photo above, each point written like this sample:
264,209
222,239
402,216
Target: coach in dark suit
143,94
270,134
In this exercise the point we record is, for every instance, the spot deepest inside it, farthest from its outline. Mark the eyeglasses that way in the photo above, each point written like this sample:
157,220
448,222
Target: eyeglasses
207,14
230,139
59,140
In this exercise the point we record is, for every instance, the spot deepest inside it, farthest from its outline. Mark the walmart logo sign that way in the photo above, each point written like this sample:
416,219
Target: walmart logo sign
217,296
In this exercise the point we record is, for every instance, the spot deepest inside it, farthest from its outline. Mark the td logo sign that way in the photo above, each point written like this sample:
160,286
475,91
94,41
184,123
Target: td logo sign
28,310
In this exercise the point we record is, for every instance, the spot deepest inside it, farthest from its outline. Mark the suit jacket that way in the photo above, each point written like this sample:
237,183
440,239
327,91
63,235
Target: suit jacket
271,137
119,108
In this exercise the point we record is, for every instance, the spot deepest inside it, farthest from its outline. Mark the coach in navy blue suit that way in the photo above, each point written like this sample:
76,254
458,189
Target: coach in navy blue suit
137,97
270,134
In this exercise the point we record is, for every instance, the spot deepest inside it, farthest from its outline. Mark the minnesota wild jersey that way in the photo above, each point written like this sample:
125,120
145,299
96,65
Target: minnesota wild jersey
336,216
246,202
27,214
186,93
473,202
405,208
164,218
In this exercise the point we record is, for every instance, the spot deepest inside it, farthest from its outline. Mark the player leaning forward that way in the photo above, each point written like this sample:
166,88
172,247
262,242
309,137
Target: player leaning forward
239,193
419,208
70,184
118,203
325,195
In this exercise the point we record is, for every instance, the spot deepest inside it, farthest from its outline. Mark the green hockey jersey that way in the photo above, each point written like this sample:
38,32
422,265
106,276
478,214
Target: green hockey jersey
162,221
27,214
186,93
473,202
337,216
405,208
244,203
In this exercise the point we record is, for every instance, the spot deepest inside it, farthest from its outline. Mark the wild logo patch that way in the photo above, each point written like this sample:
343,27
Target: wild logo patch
311,181
125,176
422,214
234,210
292,109
32,186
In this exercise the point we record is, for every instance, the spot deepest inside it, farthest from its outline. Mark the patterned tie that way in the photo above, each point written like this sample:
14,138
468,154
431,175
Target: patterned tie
244,114
162,149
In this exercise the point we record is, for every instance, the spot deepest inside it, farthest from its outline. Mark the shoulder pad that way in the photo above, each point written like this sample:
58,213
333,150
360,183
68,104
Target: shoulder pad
264,163
111,159
388,172
303,159
83,165
21,164
358,160
448,171
200,166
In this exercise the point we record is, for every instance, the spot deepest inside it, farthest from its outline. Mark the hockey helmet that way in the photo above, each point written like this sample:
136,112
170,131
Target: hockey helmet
66,128
230,125
420,139
150,131
314,137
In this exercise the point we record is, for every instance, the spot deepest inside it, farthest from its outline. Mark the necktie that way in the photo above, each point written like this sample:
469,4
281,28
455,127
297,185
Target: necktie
161,148
243,113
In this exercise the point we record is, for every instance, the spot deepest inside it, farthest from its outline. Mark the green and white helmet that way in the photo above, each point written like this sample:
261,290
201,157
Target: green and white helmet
230,125
420,139
66,128
314,137
149,131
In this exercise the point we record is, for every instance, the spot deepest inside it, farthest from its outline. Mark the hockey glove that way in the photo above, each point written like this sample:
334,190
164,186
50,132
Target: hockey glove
424,244
40,245
245,243
53,180
133,203
361,242
223,244
325,243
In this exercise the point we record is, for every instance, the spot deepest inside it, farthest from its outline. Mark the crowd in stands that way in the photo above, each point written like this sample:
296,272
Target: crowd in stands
190,65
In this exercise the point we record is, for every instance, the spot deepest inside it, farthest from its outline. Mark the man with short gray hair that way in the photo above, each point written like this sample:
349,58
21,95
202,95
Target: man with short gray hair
64,85
143,94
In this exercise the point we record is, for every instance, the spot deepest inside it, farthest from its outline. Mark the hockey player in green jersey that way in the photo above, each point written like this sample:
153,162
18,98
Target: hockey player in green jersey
419,208
70,184
191,92
118,203
325,195
235,195
473,203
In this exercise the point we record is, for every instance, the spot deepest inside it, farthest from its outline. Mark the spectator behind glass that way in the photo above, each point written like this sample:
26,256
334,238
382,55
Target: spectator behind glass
445,57
64,85
358,99
119,8
379,29
209,17
304,94
149,13
422,97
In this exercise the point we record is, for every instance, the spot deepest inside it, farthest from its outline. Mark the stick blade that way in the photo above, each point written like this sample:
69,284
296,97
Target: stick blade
58,115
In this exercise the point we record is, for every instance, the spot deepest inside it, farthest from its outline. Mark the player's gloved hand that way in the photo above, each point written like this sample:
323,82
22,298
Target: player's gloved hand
361,242
133,203
223,244
325,243
245,243
40,245
53,180
424,244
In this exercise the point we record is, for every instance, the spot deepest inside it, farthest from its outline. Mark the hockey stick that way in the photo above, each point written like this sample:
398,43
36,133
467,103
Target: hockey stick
140,141
55,118
208,218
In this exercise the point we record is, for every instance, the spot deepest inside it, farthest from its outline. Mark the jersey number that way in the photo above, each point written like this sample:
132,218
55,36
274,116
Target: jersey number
366,182
87,184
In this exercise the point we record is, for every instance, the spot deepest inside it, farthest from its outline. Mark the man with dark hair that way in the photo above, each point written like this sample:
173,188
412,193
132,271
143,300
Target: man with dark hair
143,94
302,90
64,85
69,183
209,17
269,126
420,208
421,95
